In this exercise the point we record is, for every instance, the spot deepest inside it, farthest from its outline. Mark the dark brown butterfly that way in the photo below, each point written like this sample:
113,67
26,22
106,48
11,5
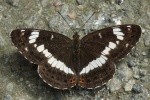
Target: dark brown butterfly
64,63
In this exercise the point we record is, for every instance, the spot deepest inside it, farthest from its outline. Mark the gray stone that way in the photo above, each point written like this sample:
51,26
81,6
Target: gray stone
137,88
101,20
114,84
144,53
146,60
8,97
139,97
119,2
83,93
145,79
131,63
45,3
27,82
1,16
147,40
9,87
1,9
80,2
142,72
99,98
12,2
9,2
33,19
1,41
116,20
128,86
124,72
136,72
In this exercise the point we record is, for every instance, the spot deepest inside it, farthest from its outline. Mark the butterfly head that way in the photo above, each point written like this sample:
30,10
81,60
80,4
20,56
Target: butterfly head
76,36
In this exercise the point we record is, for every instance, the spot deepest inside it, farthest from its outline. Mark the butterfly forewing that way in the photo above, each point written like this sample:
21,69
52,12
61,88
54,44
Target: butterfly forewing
101,49
32,42
51,51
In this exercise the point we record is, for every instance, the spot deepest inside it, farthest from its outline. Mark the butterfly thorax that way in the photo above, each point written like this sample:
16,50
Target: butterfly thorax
76,51
76,43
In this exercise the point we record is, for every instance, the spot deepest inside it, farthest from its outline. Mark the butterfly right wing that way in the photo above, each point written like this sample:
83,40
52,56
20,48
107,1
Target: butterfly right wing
51,51
99,51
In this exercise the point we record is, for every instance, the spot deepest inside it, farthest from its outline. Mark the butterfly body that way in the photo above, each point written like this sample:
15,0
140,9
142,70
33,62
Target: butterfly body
88,62
76,52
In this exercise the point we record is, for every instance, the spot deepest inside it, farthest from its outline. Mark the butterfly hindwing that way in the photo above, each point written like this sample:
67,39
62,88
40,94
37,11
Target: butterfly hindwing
47,49
101,49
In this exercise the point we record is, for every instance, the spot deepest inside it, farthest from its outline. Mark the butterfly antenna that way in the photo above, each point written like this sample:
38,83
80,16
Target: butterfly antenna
66,22
86,22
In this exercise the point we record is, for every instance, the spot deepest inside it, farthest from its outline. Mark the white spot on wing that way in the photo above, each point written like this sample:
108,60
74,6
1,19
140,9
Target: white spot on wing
35,33
35,45
50,61
100,35
62,67
120,37
59,64
26,57
33,36
22,33
22,30
49,84
57,87
26,49
101,59
93,63
40,48
117,42
106,50
91,67
127,45
129,26
87,69
129,29
20,52
118,33
46,53
104,57
98,63
32,41
83,71
54,63
116,29
112,45
66,69
52,37
70,71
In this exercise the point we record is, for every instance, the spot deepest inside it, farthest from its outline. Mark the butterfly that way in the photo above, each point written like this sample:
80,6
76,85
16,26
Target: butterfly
88,62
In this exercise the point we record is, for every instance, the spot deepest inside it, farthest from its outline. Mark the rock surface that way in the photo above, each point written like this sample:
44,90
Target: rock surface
19,79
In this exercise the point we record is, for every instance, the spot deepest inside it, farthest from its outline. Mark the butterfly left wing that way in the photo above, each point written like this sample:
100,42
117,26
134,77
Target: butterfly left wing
100,49
51,51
